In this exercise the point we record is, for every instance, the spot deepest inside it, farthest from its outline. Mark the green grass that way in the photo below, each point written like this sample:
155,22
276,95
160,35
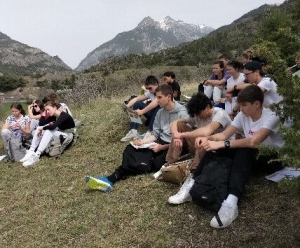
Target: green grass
48,205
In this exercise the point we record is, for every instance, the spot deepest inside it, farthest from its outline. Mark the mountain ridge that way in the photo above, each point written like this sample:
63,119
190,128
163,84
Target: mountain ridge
19,58
147,37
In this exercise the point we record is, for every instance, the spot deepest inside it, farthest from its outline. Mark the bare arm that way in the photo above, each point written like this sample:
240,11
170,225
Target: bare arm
252,142
136,99
5,126
174,125
238,86
202,131
150,106
214,82
30,113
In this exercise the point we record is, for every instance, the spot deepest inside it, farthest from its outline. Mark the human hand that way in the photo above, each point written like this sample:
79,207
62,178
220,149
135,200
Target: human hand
137,142
155,147
176,135
199,141
139,112
39,130
212,145
15,125
177,142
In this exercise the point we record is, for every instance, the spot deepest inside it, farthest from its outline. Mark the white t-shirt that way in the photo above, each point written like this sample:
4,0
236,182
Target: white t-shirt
230,105
149,95
268,120
219,115
239,79
270,95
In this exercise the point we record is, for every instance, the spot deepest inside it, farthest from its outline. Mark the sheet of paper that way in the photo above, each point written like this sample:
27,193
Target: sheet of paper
134,117
285,173
147,145
2,157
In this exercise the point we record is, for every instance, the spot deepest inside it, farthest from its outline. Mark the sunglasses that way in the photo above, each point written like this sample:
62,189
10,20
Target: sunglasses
149,88
35,106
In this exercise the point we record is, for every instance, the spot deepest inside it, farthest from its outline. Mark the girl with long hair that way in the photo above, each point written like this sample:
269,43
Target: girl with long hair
57,124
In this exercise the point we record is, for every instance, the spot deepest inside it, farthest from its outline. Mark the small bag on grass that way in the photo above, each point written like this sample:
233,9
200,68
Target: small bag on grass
15,149
176,172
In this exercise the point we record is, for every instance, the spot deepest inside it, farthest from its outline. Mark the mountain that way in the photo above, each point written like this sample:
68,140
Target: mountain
230,39
149,36
19,58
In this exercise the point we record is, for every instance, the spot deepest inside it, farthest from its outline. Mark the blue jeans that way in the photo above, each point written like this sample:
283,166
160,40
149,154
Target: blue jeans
150,115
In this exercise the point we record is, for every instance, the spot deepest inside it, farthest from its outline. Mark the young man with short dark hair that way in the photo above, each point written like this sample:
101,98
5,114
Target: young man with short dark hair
204,120
161,136
148,110
260,126
169,78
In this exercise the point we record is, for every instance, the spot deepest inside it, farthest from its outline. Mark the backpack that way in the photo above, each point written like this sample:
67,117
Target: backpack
58,144
15,149
137,161
211,185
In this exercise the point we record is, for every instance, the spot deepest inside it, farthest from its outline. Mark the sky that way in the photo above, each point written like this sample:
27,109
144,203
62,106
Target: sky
71,29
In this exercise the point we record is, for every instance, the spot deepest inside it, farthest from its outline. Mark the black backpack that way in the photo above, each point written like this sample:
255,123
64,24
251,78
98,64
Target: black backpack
137,161
211,185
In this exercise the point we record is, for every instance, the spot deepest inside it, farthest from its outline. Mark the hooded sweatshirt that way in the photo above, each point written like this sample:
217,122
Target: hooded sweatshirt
163,119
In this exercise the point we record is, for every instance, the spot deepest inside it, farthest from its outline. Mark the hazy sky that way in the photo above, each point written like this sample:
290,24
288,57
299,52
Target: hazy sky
73,28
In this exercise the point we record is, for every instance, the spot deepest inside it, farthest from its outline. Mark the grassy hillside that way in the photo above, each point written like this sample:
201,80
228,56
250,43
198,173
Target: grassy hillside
48,205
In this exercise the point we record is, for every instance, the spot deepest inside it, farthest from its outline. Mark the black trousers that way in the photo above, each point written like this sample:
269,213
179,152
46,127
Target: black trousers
122,173
244,160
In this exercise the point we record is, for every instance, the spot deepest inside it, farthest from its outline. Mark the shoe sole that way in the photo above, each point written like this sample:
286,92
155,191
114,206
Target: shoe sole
27,165
189,199
94,183
216,224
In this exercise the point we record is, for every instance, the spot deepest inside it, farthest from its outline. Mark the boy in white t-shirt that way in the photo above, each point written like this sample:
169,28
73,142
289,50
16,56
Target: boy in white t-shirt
203,120
260,126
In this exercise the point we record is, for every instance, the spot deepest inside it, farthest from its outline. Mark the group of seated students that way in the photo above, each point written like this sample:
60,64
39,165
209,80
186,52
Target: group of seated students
203,129
146,104
47,118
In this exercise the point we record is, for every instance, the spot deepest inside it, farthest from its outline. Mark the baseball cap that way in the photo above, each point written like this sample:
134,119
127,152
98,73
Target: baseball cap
252,66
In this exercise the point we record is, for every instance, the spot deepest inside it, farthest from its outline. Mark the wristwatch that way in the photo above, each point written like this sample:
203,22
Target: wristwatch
227,144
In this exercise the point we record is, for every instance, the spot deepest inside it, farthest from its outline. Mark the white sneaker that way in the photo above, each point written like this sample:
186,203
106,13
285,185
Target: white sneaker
130,135
32,160
226,215
158,173
27,156
183,194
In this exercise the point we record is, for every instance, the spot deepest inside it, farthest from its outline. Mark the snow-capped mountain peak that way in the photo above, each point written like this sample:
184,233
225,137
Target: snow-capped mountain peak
147,37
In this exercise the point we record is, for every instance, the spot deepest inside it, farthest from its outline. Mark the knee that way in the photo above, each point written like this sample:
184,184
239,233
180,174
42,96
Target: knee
47,133
183,127
137,105
5,132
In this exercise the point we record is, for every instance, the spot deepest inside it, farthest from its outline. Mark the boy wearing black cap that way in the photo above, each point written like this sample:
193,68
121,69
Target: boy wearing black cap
254,74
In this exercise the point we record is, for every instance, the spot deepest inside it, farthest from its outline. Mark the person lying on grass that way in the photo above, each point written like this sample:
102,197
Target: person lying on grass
161,136
260,126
